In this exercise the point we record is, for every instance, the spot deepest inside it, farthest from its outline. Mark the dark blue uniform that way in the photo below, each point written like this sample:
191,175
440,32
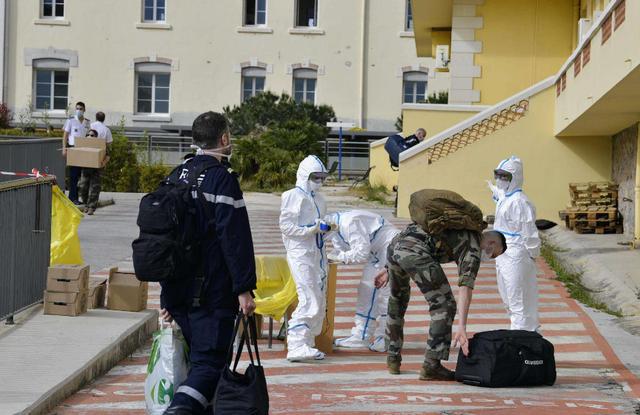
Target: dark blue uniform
228,270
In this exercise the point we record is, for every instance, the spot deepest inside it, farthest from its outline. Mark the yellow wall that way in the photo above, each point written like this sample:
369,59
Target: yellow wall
523,42
381,172
412,119
549,163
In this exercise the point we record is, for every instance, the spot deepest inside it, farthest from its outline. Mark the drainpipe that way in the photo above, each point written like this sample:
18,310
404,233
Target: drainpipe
363,62
4,41
636,234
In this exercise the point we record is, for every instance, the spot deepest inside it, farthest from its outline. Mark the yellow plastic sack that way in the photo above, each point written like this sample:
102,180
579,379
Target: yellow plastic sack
276,288
65,218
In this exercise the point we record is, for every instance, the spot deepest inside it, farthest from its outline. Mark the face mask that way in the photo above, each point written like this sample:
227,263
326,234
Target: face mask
315,186
224,152
79,113
502,184
485,256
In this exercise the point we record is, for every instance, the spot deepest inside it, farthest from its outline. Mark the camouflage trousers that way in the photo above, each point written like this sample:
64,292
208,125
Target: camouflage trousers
413,262
90,187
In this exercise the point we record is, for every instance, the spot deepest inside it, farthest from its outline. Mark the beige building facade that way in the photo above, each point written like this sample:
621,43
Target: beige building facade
159,63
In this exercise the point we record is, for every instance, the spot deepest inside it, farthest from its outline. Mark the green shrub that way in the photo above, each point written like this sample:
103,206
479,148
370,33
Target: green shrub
269,160
267,109
121,173
151,175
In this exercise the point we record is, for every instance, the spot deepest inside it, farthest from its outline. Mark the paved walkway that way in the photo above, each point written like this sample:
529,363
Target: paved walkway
591,379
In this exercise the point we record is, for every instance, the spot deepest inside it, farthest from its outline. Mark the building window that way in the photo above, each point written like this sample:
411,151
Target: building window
255,12
51,84
52,8
154,11
306,13
408,18
152,88
252,82
414,87
304,85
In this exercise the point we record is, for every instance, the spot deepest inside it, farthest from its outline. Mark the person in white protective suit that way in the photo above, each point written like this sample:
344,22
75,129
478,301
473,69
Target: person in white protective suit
363,237
516,269
302,211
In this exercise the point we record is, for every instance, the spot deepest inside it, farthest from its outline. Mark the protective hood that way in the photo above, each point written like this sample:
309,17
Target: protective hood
514,166
311,164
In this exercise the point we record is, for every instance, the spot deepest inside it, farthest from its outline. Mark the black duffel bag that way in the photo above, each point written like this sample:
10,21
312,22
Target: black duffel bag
501,358
237,393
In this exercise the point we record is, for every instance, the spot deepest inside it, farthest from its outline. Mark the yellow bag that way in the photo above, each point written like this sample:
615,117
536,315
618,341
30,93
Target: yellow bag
65,218
276,288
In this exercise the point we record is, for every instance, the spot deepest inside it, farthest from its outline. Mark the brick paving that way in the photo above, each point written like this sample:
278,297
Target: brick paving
591,379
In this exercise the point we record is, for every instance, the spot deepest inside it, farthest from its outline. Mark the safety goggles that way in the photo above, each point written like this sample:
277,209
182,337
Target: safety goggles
318,177
502,175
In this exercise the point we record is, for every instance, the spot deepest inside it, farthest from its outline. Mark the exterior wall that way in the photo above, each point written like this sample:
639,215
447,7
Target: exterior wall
206,52
3,58
604,97
625,146
432,120
522,43
550,163
379,160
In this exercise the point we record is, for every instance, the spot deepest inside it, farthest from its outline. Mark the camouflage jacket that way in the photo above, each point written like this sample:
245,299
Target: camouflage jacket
459,246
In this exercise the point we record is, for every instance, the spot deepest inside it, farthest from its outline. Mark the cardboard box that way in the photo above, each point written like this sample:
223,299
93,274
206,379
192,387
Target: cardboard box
125,292
85,157
89,142
65,304
97,291
68,278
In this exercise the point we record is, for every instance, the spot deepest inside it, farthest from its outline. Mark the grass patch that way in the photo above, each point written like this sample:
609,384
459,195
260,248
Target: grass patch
374,193
572,281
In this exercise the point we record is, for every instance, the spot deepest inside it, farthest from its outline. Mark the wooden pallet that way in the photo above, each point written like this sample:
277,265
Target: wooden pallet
593,193
599,230
591,223
592,213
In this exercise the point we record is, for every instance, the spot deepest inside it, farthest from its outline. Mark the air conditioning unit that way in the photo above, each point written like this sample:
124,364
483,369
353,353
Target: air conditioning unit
442,56
583,27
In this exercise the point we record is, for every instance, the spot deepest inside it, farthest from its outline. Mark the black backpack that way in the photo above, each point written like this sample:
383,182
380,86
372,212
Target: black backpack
502,358
169,245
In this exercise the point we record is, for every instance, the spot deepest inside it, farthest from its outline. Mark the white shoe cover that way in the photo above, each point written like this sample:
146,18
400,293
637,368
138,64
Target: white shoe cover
351,342
304,352
378,345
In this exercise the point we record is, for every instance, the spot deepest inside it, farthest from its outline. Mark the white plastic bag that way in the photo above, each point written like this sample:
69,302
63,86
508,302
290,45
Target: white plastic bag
167,368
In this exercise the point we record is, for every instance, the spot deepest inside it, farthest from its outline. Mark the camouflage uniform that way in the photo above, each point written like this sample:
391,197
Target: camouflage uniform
414,254
90,187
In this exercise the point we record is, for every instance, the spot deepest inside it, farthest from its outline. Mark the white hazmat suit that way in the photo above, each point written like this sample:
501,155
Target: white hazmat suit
363,237
516,268
301,213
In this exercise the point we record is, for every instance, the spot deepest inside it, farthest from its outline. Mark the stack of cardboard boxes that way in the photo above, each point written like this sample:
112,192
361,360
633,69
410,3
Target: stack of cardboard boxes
67,290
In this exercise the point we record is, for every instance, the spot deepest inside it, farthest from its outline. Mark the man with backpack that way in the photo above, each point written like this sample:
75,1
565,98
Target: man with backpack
446,228
204,300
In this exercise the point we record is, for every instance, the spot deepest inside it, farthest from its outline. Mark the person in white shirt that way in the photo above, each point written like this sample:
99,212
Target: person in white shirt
90,183
103,130
76,126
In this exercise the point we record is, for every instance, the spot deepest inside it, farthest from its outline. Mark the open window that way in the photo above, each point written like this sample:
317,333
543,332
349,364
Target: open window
306,13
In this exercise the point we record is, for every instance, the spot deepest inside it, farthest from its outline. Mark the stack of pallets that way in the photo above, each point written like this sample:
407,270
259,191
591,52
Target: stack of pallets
594,208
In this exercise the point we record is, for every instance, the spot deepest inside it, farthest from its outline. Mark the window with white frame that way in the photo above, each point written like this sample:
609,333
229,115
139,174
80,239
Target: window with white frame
153,82
154,11
304,85
414,87
255,12
408,17
252,82
50,84
52,9
306,13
